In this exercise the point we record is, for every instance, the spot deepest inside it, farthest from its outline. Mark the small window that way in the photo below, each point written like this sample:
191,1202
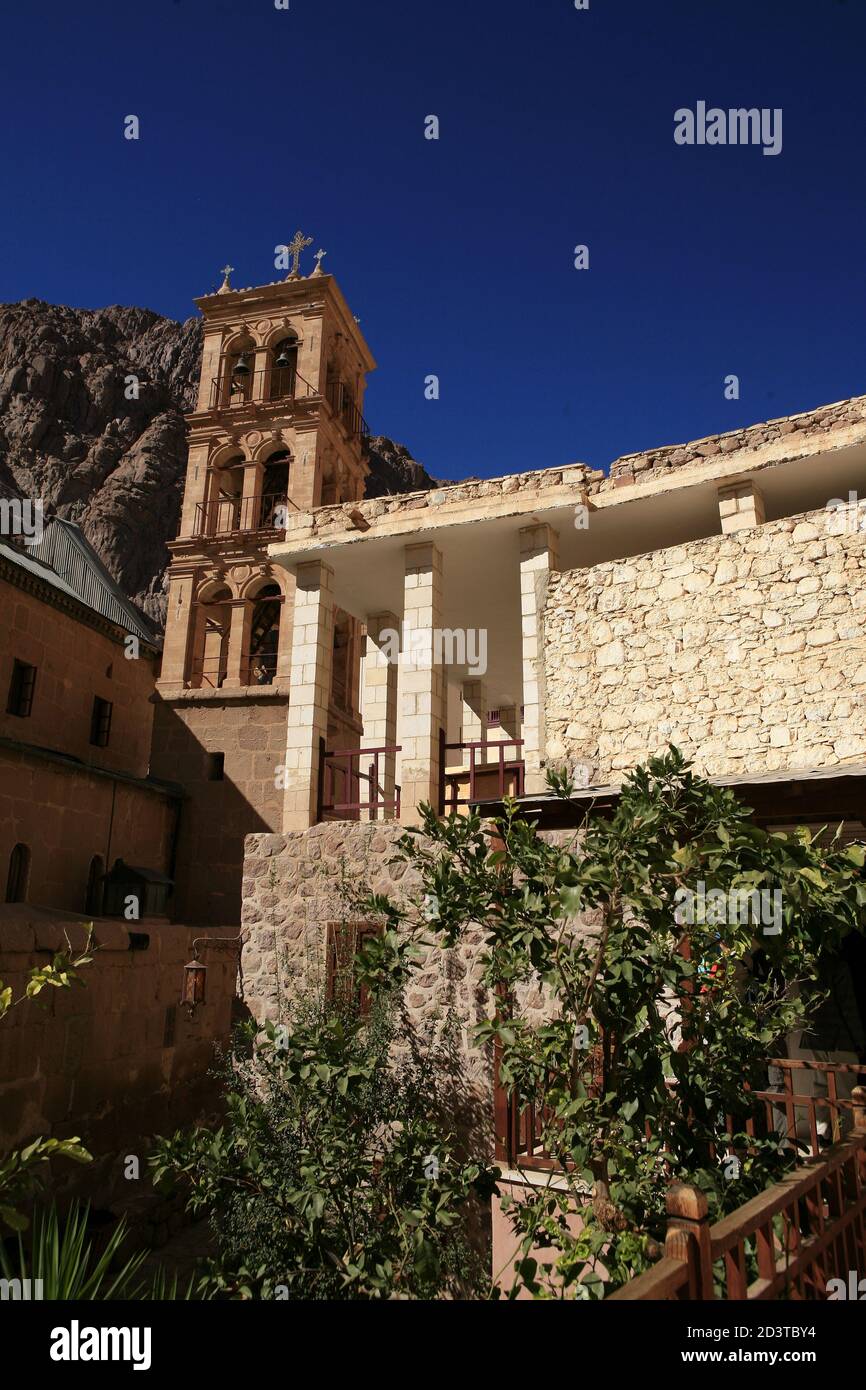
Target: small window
19,873
492,716
21,688
100,722
216,767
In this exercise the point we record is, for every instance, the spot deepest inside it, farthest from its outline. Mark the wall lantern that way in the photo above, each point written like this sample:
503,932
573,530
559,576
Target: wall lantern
194,990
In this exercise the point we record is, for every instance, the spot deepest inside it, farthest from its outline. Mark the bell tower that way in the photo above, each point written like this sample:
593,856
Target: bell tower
277,429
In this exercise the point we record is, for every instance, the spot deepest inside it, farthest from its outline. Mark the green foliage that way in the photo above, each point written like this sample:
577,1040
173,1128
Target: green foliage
22,1171
59,1253
645,1037
335,1174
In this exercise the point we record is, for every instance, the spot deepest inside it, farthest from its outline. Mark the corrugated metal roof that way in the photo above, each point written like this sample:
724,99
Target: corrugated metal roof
25,561
72,558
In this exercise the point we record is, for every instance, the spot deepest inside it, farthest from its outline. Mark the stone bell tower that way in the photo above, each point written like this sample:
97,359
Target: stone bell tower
277,429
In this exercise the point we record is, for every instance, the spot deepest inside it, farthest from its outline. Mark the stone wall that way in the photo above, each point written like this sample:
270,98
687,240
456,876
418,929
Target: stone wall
809,429
296,884
115,1058
250,732
77,656
746,650
68,816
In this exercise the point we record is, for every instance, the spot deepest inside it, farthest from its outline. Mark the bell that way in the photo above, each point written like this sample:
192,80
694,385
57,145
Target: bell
241,368
283,361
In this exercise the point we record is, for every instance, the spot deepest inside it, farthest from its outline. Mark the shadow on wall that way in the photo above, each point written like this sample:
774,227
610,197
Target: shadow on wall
116,1058
225,756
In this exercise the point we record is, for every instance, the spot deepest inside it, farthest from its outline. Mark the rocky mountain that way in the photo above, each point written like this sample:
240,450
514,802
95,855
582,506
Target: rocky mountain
393,469
70,435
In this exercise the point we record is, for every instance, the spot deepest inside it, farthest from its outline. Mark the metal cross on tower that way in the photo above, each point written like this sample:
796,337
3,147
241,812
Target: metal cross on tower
298,243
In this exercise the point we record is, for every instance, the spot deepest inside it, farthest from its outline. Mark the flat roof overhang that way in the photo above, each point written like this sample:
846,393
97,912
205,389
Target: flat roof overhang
783,796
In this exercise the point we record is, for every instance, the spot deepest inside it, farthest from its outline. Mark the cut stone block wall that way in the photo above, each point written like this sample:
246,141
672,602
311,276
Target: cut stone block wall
115,1058
747,651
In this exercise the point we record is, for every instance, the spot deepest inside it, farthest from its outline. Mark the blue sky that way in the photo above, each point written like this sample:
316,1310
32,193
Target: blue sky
556,129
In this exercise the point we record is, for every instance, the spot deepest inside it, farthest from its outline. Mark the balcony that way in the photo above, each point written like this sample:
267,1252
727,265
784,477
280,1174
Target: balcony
257,668
224,516
488,774
351,780
283,387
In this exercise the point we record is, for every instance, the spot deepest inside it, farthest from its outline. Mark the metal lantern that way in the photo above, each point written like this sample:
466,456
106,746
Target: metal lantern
194,990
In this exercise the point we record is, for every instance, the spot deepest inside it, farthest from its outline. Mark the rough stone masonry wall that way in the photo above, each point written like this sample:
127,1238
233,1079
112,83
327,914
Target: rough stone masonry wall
295,885
746,650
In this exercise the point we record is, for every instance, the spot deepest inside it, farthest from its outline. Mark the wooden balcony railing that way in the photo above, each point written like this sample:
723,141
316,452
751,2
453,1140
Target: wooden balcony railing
223,516
796,1117
489,776
786,1243
346,789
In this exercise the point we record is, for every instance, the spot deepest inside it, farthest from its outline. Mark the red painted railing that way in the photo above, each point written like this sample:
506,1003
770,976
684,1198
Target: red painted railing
490,778
345,789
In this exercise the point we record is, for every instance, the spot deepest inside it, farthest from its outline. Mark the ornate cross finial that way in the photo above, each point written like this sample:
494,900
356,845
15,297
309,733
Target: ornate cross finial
294,248
318,259
225,287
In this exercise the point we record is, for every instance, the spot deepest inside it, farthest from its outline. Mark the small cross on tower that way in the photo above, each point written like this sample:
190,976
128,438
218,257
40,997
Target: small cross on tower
318,258
298,243
225,286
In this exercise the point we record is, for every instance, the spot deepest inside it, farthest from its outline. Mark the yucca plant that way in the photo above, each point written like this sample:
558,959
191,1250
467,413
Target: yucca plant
58,1252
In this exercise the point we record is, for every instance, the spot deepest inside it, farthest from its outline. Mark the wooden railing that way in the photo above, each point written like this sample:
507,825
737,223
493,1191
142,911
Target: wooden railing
341,783
489,778
786,1243
520,1125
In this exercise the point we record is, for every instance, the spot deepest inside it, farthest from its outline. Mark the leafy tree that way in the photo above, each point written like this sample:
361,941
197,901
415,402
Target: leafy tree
657,1029
335,1174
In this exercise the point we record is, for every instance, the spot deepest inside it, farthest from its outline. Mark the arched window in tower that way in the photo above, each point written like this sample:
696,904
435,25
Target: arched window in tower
238,375
210,655
275,490
93,895
227,488
18,878
264,635
283,362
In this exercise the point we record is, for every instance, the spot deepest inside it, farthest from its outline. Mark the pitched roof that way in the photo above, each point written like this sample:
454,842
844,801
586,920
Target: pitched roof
67,556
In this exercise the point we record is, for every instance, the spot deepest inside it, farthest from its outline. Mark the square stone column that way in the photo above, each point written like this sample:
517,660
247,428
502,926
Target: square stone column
237,660
741,505
379,703
539,555
178,631
312,661
421,683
